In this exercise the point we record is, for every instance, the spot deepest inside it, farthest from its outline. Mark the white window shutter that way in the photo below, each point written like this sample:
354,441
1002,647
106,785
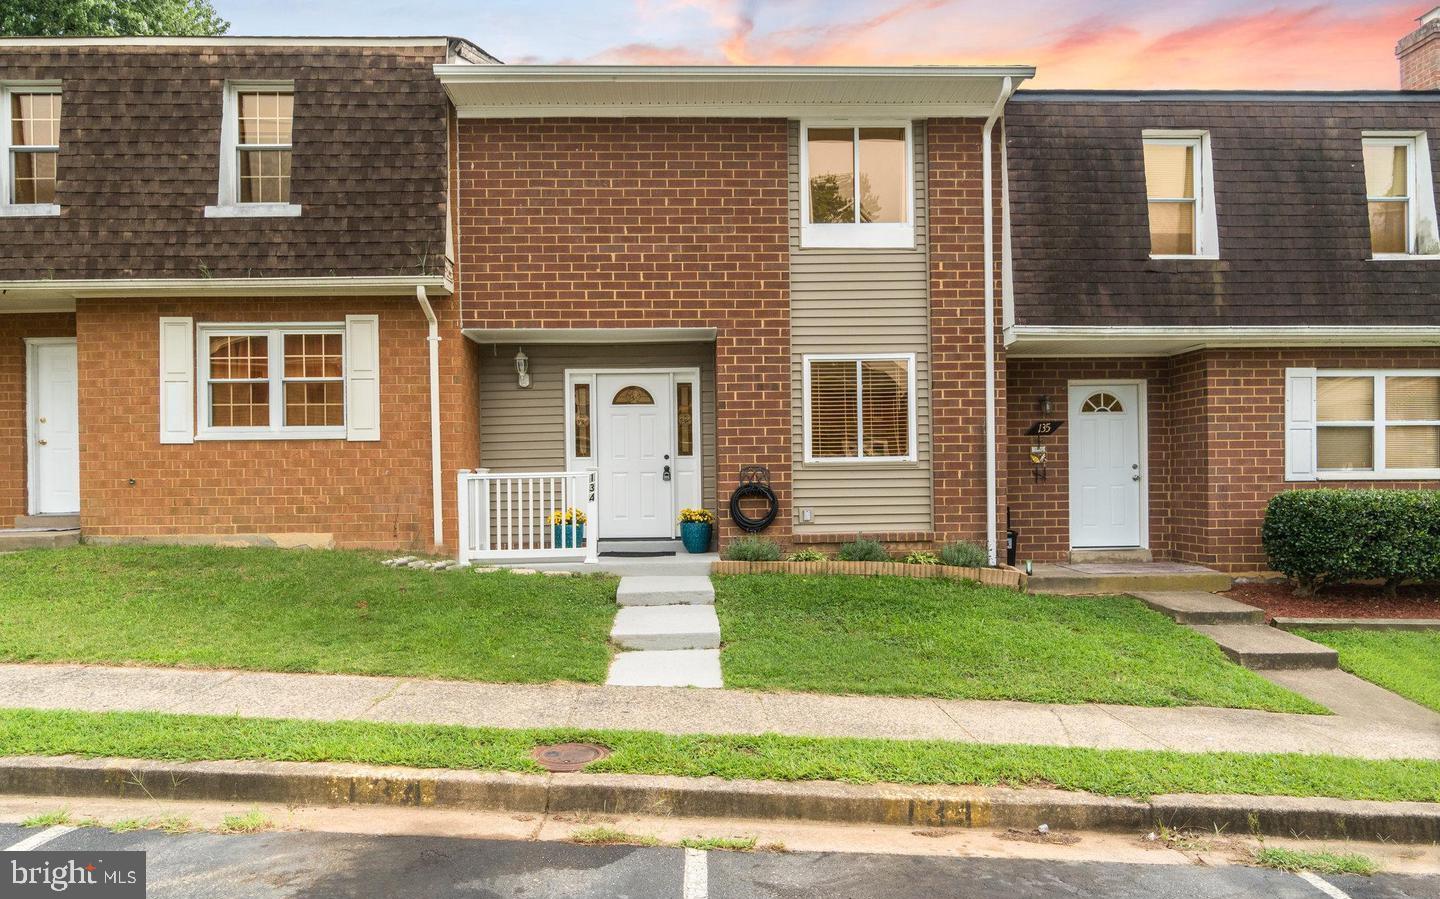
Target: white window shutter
1299,424
362,377
177,380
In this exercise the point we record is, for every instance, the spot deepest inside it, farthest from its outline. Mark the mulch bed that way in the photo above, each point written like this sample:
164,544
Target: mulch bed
1339,602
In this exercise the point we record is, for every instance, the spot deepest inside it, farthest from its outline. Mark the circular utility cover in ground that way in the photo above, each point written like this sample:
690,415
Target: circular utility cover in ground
568,756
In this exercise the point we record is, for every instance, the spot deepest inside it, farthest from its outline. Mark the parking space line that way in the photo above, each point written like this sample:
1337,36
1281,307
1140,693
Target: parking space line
40,839
697,874
1323,885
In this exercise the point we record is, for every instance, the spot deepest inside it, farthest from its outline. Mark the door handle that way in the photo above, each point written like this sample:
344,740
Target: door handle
42,441
667,472
1135,476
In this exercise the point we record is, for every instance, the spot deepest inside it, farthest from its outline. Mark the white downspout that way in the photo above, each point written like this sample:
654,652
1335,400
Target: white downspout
988,193
434,341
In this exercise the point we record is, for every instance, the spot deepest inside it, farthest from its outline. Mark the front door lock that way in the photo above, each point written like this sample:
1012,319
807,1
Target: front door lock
667,472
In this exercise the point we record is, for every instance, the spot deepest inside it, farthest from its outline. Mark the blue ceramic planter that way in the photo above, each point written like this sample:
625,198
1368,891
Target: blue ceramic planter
695,535
569,536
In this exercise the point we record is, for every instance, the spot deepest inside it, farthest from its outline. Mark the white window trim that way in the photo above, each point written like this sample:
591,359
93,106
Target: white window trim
228,204
857,235
9,208
1422,240
275,346
907,358
1207,231
1378,425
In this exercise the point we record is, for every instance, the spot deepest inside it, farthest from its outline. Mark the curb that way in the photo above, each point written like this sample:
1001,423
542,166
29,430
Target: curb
325,783
1347,624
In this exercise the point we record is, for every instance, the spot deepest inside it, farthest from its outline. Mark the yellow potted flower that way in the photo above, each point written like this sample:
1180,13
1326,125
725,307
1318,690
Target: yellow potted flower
695,528
569,527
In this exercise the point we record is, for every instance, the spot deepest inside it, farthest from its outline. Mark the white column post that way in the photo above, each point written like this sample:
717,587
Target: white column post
592,516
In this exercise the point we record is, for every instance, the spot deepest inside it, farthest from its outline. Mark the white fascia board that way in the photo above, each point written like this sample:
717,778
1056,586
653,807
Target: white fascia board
199,41
1163,340
385,285
549,74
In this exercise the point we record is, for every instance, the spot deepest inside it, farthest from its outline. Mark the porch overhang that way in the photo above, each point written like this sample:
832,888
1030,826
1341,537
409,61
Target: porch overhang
536,336
17,295
1059,341
531,91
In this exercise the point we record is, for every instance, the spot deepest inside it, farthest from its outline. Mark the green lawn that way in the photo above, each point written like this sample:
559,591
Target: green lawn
1404,662
922,637
1111,772
300,610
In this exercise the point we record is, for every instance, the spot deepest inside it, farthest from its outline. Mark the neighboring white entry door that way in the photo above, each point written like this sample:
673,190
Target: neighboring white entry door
1106,475
54,427
637,482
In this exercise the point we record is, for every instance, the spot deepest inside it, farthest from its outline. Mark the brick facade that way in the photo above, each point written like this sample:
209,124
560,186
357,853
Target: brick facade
643,223
1216,441
957,322
363,493
14,329
1419,54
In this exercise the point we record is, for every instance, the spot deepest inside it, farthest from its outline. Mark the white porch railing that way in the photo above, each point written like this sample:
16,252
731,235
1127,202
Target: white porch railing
506,515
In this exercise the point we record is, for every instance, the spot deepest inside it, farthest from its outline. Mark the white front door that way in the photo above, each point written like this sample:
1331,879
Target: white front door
54,426
636,416
1106,477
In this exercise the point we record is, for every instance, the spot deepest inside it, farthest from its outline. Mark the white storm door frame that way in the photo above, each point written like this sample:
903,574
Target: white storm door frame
1142,427
689,488
32,407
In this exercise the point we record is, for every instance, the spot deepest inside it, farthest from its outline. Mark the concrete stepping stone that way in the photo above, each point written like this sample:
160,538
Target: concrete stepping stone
666,627
1194,607
665,591
1267,648
666,668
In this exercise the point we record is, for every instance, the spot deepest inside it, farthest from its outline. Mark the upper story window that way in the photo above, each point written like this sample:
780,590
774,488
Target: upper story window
857,187
1400,195
1178,191
31,149
860,408
255,150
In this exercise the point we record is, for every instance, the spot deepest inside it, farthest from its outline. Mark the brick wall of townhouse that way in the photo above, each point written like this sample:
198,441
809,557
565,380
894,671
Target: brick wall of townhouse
957,298
643,223
1216,440
14,329
364,493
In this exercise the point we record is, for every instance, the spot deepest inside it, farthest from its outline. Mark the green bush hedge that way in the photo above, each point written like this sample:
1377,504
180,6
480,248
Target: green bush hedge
1323,537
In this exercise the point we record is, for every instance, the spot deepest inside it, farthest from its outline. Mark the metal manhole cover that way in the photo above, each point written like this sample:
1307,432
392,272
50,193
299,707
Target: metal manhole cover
568,756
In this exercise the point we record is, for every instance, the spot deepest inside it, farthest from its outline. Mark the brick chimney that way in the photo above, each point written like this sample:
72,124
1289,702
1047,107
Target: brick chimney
1419,53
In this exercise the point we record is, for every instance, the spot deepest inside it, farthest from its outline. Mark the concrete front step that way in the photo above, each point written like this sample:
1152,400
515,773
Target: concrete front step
1091,578
47,522
666,668
1194,607
1267,648
666,627
665,590
16,540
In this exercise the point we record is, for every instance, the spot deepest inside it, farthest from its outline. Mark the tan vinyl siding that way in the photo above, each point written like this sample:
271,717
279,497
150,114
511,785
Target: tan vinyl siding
524,429
861,301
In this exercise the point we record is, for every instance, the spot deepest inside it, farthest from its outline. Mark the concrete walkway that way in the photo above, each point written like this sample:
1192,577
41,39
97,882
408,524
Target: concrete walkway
1368,722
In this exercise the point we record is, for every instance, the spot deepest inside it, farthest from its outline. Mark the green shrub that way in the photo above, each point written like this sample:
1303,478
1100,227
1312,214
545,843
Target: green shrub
920,557
806,555
863,550
1320,537
964,554
751,548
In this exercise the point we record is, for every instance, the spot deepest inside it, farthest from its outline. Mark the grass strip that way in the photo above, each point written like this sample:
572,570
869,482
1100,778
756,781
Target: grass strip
958,640
1404,662
1109,772
1293,860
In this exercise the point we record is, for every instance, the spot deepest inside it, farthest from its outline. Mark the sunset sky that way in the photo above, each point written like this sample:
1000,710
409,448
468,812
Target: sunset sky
1074,43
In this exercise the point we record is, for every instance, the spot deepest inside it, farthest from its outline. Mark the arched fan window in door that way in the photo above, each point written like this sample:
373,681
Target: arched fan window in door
1102,402
632,396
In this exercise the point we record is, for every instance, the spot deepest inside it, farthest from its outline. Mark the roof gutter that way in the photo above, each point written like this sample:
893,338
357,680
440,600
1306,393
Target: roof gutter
988,192
190,288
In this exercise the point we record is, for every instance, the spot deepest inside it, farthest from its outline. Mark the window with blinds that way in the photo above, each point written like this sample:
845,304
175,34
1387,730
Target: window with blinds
859,408
1384,424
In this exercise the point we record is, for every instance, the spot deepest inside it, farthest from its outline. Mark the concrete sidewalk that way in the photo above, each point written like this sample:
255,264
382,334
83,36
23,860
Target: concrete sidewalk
1368,722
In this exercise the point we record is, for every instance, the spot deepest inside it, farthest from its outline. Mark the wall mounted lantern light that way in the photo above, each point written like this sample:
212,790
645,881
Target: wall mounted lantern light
522,368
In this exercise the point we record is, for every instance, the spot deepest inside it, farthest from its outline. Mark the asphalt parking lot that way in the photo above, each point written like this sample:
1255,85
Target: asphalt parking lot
322,865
